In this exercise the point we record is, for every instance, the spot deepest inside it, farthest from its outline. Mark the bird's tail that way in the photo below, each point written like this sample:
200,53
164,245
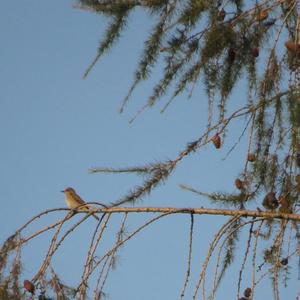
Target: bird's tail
94,214
95,217
90,209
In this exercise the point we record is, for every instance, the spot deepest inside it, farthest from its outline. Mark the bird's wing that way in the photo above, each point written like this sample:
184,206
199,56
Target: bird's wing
79,200
80,203
85,207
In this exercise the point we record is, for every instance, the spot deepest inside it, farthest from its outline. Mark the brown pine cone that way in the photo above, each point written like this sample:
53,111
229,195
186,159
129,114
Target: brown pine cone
247,292
270,201
216,141
239,184
29,286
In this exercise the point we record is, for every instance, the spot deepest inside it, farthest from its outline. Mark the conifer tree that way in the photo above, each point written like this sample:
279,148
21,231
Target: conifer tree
217,43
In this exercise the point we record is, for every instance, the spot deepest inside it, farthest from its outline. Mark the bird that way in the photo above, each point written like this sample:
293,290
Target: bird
73,201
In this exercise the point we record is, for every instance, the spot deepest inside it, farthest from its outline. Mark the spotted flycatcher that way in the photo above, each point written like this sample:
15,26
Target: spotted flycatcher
74,200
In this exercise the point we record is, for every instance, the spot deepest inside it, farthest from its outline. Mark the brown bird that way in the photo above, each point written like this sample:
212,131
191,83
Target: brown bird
74,201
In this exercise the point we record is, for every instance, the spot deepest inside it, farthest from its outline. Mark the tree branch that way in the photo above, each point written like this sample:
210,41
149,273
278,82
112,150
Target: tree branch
204,211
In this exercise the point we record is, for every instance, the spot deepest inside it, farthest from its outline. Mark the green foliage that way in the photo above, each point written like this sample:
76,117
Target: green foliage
218,38
157,174
188,27
112,34
192,12
218,43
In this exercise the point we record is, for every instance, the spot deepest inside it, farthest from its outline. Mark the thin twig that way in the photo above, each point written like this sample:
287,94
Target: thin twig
188,272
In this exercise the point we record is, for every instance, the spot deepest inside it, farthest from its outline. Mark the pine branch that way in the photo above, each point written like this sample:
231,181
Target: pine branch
112,34
204,211
122,170
150,54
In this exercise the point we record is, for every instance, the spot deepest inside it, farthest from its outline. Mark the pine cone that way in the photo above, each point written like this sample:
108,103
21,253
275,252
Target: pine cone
251,157
262,15
255,52
216,141
247,292
221,14
298,160
239,184
292,47
285,205
270,201
29,286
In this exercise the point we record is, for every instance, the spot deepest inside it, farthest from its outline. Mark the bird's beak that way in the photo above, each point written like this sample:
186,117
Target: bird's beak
62,191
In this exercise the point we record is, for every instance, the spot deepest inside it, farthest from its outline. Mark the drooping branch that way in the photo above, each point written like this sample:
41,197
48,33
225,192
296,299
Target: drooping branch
205,211
156,173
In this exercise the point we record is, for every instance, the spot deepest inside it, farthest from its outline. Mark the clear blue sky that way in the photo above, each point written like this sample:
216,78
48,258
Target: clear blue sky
54,126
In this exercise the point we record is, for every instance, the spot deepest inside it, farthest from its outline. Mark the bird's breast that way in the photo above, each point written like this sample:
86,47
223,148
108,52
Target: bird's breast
71,202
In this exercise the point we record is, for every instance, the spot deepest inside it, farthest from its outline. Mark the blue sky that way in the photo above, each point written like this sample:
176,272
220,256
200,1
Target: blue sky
54,126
